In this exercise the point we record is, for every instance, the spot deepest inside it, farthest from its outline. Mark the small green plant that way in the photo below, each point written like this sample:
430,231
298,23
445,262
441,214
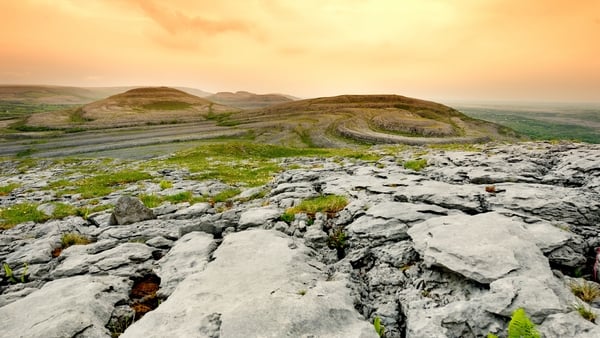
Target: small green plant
337,241
9,273
585,311
288,217
164,184
302,292
491,335
416,165
72,238
520,326
5,190
379,328
586,291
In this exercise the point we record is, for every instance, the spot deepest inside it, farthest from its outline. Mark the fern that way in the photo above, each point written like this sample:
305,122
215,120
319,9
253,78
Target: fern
379,328
520,326
9,273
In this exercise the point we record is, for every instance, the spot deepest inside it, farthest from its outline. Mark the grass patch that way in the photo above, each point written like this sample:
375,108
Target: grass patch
25,152
167,105
225,195
151,201
455,147
100,185
329,204
181,197
70,239
5,190
248,163
164,184
586,291
21,213
62,210
288,217
416,165
585,311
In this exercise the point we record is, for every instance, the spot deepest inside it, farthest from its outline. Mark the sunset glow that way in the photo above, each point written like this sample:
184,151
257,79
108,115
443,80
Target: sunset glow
436,49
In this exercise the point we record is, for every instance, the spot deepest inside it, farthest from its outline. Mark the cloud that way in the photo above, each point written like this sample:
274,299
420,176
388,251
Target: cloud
175,22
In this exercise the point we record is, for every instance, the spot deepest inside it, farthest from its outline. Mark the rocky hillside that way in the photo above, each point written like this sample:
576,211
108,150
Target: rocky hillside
428,243
140,106
247,100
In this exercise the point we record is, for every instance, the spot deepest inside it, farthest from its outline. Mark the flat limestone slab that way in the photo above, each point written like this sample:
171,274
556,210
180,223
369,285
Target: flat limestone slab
261,284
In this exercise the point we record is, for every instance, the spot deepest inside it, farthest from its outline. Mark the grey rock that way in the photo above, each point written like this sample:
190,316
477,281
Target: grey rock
130,210
159,242
568,325
188,256
65,308
258,217
483,248
268,303
193,211
75,260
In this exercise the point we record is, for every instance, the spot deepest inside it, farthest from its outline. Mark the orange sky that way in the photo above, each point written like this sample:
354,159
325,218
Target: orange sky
436,49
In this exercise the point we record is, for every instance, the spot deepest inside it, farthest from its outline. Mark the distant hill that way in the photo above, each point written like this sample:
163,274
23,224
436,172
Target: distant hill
331,121
56,94
153,105
247,100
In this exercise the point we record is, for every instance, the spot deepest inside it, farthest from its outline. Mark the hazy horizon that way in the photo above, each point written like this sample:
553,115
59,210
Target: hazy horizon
461,50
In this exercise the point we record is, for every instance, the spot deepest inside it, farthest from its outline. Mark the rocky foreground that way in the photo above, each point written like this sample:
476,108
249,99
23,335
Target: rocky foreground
449,251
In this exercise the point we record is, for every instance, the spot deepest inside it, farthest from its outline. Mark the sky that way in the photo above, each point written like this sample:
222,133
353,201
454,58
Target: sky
533,50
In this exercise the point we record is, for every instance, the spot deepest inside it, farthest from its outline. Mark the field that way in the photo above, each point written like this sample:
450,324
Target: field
580,122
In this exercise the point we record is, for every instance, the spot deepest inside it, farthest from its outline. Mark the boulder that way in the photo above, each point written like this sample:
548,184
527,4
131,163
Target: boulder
79,306
189,255
257,286
130,210
258,217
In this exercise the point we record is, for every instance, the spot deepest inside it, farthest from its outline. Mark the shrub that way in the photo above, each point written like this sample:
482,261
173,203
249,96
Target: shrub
586,291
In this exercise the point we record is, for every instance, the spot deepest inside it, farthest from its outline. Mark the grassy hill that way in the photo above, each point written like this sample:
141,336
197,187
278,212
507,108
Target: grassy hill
247,100
335,121
157,105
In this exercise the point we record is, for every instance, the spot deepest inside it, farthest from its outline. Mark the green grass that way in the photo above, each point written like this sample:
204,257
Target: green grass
13,109
248,163
456,147
416,165
181,197
20,213
167,105
330,204
151,201
70,239
585,311
5,190
100,185
62,210
164,184
225,195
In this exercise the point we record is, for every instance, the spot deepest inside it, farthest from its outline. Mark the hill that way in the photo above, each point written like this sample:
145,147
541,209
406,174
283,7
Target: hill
156,105
332,121
247,100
